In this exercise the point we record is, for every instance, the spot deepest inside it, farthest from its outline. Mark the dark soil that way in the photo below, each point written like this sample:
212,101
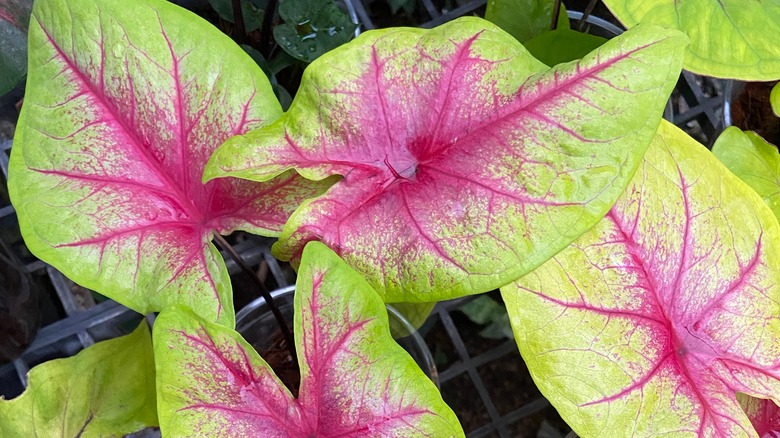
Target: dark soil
507,381
278,357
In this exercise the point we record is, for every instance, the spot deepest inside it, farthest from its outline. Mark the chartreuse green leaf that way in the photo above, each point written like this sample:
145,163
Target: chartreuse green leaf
124,105
774,99
465,162
355,380
754,161
649,323
525,19
107,390
14,17
729,38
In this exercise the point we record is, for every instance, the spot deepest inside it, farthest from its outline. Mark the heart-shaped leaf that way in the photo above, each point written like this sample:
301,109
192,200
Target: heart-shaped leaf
764,415
653,320
754,161
105,390
729,38
124,105
466,162
355,380
14,17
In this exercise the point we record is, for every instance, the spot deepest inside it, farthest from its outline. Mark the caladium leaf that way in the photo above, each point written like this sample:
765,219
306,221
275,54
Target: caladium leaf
466,162
764,415
124,105
355,380
107,390
14,17
653,320
754,161
729,38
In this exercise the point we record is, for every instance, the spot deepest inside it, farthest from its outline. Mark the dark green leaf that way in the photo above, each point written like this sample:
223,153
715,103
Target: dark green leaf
562,45
253,16
397,5
312,28
14,17
524,19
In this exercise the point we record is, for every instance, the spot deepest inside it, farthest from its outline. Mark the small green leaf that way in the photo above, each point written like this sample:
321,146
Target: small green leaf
487,311
482,310
774,99
106,390
729,38
312,28
754,161
562,45
253,17
406,5
524,19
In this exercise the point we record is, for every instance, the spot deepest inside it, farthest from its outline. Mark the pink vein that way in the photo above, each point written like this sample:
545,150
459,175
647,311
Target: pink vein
150,161
560,87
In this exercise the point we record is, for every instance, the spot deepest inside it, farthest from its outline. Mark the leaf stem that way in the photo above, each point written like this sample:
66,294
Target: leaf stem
288,338
586,14
238,20
265,30
555,13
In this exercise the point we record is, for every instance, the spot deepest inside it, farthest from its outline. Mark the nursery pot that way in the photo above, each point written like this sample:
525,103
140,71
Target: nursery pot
257,325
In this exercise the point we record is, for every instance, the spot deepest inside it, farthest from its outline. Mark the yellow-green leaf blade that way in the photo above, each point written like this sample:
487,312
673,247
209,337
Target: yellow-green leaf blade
729,38
651,322
107,390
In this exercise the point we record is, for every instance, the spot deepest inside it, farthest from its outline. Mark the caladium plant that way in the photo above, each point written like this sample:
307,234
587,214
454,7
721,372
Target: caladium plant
355,380
118,122
465,161
438,163
655,318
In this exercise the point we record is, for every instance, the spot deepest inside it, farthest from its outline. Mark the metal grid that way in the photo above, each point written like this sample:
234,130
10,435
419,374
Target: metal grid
696,107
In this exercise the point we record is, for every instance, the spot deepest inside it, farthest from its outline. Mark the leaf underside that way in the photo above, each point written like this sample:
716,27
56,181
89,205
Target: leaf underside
105,390
653,320
729,38
124,106
764,415
355,380
465,162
